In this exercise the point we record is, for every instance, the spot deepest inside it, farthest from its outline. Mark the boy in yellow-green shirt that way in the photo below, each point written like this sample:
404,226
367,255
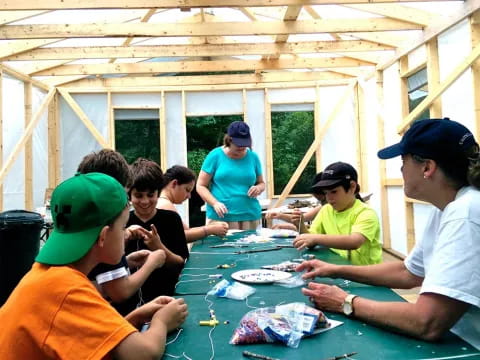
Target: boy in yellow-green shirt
346,224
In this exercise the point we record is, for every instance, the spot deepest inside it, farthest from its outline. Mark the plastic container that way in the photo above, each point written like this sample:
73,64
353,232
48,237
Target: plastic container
19,245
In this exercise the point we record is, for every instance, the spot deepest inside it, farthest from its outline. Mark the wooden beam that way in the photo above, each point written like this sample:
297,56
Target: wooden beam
10,48
170,4
18,75
204,66
8,17
399,12
459,70
84,118
409,72
266,77
313,147
43,31
143,51
26,135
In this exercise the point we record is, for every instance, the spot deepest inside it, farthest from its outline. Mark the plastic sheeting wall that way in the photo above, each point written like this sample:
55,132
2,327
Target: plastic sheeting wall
13,128
40,151
76,140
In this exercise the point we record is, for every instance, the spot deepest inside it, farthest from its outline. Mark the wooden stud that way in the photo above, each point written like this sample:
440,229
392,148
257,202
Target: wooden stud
1,135
244,105
111,121
28,151
433,74
387,242
362,138
475,35
268,145
53,130
163,133
317,127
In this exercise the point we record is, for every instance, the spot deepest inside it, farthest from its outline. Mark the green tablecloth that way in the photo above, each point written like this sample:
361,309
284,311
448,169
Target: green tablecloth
368,341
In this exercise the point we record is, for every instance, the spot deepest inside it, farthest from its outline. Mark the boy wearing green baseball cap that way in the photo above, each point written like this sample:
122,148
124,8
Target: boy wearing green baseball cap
55,312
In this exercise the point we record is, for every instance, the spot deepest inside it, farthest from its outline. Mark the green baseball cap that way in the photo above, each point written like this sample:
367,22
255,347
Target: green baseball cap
81,206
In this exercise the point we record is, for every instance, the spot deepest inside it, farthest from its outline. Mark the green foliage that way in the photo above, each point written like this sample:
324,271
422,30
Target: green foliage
204,133
292,135
138,138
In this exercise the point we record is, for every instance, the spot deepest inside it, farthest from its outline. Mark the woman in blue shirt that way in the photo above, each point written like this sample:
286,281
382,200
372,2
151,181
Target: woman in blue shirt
231,179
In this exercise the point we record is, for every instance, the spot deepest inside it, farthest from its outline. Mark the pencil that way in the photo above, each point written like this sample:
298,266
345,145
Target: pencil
258,356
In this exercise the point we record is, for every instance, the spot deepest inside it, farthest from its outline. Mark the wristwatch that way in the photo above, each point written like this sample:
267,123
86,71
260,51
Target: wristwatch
347,306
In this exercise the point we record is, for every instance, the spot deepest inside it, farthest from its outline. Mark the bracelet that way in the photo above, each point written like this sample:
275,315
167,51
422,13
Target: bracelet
205,231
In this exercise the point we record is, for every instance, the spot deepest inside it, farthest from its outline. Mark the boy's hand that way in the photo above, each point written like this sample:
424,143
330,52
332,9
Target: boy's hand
156,258
305,241
137,258
133,232
150,238
172,314
219,228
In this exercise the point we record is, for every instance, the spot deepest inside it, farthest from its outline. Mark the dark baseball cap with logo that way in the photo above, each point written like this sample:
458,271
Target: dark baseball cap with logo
335,174
240,134
437,139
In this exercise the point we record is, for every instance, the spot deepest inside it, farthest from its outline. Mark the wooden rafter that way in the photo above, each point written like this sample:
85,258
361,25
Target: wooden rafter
203,66
142,4
101,52
204,29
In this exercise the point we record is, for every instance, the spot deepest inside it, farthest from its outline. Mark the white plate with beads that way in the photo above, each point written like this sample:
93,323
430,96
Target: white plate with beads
260,276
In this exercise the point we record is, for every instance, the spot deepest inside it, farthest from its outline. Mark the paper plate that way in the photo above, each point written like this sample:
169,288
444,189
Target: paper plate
260,276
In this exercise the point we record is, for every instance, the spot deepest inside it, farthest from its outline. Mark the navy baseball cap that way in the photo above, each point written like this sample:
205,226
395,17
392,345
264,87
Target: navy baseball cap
335,174
240,134
436,139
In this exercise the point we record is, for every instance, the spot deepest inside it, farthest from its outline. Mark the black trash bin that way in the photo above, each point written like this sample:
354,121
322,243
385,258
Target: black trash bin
19,244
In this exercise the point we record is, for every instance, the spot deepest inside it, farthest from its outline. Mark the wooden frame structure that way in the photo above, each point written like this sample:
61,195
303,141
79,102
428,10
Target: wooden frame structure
280,44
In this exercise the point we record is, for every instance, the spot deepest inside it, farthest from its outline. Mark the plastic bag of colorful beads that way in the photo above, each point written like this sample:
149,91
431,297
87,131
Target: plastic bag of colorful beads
286,324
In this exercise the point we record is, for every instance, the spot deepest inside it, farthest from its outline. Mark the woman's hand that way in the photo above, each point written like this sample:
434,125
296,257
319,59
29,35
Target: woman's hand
254,191
220,209
325,297
315,268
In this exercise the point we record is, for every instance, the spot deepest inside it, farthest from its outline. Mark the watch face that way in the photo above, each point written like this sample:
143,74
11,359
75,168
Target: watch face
347,308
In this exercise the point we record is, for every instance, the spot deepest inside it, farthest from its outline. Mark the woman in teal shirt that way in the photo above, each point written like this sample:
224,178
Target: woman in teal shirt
231,179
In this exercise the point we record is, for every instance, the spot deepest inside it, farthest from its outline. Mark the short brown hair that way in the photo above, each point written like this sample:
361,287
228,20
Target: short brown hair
147,176
109,162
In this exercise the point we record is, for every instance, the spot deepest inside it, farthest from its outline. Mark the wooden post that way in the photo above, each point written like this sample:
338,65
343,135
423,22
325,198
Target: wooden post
53,144
163,133
268,145
28,153
475,35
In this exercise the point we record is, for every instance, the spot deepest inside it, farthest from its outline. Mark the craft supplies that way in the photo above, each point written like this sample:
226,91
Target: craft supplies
260,276
231,290
344,356
308,256
257,250
287,266
258,356
286,323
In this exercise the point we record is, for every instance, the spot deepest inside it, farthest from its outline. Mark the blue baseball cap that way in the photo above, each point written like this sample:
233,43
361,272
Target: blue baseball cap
436,139
240,134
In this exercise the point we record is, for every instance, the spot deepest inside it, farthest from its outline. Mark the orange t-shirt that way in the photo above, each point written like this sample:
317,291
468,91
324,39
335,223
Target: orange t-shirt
56,313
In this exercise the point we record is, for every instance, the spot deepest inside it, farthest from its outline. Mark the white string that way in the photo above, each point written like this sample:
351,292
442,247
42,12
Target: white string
210,304
176,337
248,305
